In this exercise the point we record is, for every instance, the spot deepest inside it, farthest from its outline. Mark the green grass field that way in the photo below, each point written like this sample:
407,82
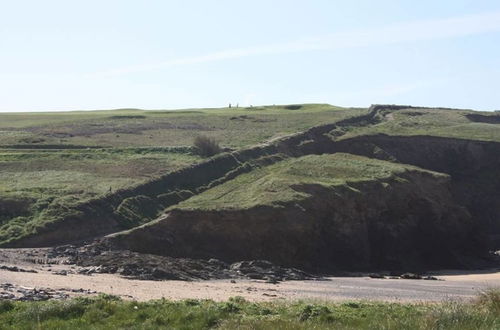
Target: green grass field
108,312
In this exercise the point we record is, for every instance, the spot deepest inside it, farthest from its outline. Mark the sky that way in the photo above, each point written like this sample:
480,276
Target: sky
170,54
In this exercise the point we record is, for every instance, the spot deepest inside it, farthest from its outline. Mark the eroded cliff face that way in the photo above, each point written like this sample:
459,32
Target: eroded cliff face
473,166
409,222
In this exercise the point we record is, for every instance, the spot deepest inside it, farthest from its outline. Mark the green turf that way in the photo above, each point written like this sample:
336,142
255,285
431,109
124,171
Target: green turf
108,312
273,185
35,179
86,173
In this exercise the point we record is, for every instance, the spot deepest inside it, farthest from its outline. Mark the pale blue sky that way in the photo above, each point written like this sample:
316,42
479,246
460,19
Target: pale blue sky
68,55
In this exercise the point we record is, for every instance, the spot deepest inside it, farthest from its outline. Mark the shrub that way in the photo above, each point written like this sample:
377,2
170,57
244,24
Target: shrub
206,146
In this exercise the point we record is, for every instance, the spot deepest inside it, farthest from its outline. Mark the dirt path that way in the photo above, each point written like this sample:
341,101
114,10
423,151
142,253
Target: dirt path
454,287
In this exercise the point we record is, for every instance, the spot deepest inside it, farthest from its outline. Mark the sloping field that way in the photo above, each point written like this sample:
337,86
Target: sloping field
50,163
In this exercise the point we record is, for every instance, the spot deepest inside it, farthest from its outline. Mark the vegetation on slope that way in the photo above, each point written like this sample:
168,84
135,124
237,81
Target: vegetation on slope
50,162
108,312
435,122
36,184
274,184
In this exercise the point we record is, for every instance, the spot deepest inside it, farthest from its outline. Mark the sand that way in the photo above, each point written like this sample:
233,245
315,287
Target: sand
453,286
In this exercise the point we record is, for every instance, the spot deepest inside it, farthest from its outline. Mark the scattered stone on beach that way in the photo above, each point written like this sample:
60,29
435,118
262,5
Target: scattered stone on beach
411,276
17,269
21,293
61,272
430,278
405,276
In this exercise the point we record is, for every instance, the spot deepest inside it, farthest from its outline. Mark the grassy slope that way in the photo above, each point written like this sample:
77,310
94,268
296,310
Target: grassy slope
81,172
137,148
435,122
107,312
274,184
87,172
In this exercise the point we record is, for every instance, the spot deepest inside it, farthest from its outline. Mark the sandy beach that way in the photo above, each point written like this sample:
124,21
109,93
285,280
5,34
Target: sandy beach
453,285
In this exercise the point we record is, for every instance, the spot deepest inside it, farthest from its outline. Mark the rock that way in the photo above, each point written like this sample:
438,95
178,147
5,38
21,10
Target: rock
154,267
430,278
17,269
20,293
9,268
376,275
411,276
269,295
61,272
217,262
272,280
255,276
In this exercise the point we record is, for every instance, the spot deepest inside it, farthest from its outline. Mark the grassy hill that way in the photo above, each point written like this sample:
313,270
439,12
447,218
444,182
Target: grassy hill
275,185
75,167
66,158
